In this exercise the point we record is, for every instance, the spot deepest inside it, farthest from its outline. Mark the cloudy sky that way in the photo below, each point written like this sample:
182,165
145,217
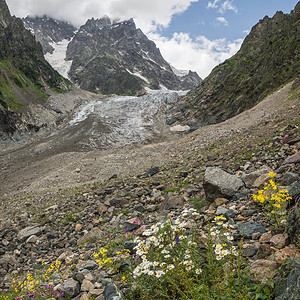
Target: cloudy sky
191,34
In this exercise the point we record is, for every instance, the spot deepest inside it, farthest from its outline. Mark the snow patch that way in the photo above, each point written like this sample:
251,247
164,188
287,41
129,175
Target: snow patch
58,58
180,73
138,75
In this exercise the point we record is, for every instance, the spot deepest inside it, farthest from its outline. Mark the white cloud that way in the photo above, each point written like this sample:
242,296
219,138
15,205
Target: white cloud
147,14
222,7
213,4
222,20
227,5
200,55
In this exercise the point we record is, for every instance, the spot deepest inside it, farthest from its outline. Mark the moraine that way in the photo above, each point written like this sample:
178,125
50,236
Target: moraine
121,120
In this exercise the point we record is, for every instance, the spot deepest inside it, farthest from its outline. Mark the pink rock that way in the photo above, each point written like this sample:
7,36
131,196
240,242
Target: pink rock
240,218
220,201
283,254
86,285
295,158
78,227
263,269
265,238
141,229
84,297
96,292
280,240
261,180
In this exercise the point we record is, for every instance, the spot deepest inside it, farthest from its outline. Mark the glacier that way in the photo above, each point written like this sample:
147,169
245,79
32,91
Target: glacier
58,58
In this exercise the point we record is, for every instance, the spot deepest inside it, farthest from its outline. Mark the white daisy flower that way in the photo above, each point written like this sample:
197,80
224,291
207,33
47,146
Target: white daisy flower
159,273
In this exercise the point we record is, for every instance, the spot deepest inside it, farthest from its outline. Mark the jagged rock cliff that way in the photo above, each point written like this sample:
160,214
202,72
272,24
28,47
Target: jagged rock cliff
115,57
25,76
269,57
48,31
111,57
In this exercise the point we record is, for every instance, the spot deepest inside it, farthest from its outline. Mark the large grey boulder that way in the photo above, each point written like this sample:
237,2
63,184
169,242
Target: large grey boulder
71,288
220,184
29,231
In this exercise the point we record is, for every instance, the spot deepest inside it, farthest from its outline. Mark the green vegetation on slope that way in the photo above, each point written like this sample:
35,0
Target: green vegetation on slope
24,73
269,57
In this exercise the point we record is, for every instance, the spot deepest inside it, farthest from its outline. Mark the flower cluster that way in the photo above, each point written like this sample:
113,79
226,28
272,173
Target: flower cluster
52,269
273,200
166,246
222,238
101,257
36,285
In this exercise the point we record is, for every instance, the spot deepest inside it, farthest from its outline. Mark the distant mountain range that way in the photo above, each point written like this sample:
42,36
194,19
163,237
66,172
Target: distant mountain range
110,57
269,57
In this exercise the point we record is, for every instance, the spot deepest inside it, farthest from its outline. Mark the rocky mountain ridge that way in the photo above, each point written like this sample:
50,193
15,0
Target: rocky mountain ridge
48,31
26,79
269,57
126,59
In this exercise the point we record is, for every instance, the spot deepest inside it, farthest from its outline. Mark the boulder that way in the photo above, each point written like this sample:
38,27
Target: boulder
228,213
29,231
263,269
111,292
86,285
283,254
289,178
71,288
87,265
247,229
293,159
250,178
288,287
171,202
293,222
218,183
279,241
91,236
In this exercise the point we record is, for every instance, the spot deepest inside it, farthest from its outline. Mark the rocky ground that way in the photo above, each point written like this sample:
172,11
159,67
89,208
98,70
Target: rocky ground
47,216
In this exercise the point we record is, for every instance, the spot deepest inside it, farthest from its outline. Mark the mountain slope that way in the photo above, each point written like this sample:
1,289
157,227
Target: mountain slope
25,76
269,57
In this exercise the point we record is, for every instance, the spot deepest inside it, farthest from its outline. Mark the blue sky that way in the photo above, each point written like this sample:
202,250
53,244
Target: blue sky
191,34
199,19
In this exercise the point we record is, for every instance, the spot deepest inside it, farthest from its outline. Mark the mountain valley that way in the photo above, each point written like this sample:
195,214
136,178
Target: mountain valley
105,149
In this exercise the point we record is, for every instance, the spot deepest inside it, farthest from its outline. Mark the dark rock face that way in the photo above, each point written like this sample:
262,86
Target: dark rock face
47,31
289,286
24,73
268,58
116,57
